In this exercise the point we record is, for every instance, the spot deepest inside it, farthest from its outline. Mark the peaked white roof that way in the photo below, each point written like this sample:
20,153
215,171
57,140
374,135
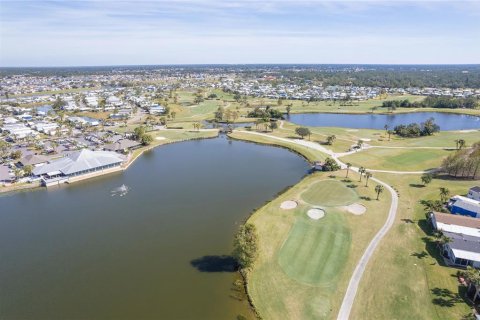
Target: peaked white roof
80,161
467,204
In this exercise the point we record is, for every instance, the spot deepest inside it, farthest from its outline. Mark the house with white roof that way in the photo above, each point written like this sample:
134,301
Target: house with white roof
156,109
78,165
464,206
46,127
464,233
474,193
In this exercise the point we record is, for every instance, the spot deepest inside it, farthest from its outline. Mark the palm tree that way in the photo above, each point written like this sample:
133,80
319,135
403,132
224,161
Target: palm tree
390,132
379,189
456,143
368,175
348,168
444,194
426,178
461,143
361,170
472,276
385,127
331,139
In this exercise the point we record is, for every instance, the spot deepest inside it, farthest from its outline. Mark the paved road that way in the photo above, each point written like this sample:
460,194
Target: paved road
349,298
352,288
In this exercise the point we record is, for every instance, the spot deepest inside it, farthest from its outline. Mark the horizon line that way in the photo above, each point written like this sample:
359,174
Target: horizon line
241,64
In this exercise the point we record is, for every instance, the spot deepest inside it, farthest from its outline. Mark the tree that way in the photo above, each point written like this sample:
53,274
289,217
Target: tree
303,132
139,132
368,175
237,97
273,125
330,165
432,205
245,246
472,276
146,139
360,144
3,148
219,113
426,178
17,154
58,104
379,189
289,107
331,139
27,170
349,165
461,144
444,194
173,114
279,102
361,170
390,132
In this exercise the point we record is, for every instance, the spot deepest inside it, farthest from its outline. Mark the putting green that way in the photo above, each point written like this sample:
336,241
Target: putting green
315,251
329,193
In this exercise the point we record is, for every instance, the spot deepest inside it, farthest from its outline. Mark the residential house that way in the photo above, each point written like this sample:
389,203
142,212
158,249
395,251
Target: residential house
463,248
34,160
156,109
464,206
123,145
474,193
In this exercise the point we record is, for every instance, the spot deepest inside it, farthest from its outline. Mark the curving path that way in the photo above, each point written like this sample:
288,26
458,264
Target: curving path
349,298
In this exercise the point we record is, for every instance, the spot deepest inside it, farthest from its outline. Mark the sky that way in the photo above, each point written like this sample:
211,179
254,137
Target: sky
108,32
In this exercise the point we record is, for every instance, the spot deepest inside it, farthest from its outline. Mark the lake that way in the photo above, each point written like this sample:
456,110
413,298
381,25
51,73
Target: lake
446,121
79,252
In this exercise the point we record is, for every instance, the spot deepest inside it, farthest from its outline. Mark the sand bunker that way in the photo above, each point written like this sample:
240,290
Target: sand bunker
160,138
466,131
352,130
356,209
316,213
289,204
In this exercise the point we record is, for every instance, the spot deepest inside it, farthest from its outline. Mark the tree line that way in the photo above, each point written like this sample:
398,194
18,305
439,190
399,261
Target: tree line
434,102
464,163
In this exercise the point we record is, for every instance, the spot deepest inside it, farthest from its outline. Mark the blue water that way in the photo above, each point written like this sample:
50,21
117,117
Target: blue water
446,121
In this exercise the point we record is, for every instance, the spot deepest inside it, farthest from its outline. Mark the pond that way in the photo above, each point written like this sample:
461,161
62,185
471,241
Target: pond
148,243
446,121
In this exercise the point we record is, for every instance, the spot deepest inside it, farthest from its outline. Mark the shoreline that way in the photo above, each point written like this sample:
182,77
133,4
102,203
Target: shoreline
474,113
245,274
33,186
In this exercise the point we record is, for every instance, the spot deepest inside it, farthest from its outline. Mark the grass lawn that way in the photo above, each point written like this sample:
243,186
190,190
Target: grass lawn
299,274
346,137
406,279
398,159
316,250
329,193
162,137
308,153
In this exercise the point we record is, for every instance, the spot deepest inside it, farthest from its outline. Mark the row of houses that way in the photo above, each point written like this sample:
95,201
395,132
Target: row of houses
462,229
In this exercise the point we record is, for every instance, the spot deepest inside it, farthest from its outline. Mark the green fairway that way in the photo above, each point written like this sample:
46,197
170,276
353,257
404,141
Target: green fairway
315,251
398,159
329,193
304,265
